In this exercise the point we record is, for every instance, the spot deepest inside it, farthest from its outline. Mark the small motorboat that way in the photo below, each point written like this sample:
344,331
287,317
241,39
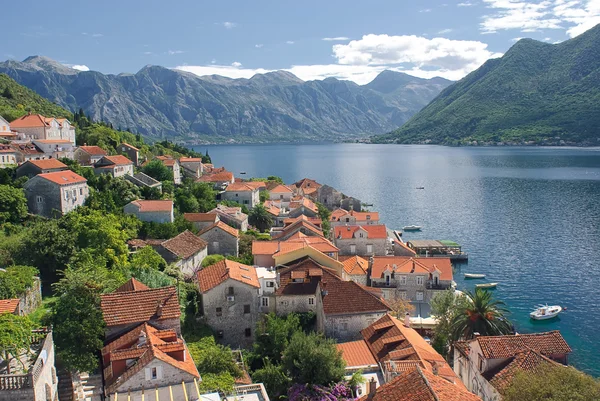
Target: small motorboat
242,172
367,204
420,187
486,285
474,275
412,228
544,312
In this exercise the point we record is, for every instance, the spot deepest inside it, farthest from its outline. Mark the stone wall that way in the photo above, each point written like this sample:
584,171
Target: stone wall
221,242
192,264
295,303
379,246
248,198
32,297
346,327
157,217
169,375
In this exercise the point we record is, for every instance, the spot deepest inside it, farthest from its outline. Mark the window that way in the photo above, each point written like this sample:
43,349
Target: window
80,191
311,301
347,219
419,280
369,248
265,301
246,201
403,280
230,291
402,294
246,308
220,334
368,217
480,363
248,332
219,312
353,249
154,373
236,195
280,196
39,199
270,284
360,235
387,279
419,295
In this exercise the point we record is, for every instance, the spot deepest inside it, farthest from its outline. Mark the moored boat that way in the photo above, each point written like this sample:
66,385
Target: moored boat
474,275
412,228
545,312
486,285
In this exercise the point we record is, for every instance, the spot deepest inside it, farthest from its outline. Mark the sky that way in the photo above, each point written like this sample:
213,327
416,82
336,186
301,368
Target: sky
312,39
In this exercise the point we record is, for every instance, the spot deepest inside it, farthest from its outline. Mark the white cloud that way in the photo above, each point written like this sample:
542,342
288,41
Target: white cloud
425,10
80,67
224,70
236,64
443,31
148,53
336,39
172,52
516,39
259,45
97,35
229,24
290,42
465,4
574,16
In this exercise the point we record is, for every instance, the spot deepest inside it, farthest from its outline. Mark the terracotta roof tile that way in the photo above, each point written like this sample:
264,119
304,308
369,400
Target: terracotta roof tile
139,306
225,227
355,265
212,276
9,305
118,160
153,205
408,264
373,231
132,285
47,164
65,177
129,146
356,353
185,245
549,343
405,247
341,214
307,183
200,217
281,189
344,297
309,284
223,176
190,160
240,187
28,121
167,160
298,225
524,361
313,220
93,150
52,140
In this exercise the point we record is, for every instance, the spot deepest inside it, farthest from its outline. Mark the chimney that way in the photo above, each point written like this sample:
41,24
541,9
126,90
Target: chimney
476,334
141,339
407,319
434,368
159,309
371,387
324,291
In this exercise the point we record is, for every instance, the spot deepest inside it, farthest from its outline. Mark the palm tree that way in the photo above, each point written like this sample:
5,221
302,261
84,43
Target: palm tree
480,313
260,218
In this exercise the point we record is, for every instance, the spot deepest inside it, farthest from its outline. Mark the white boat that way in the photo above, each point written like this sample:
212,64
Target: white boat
412,228
474,275
544,312
486,285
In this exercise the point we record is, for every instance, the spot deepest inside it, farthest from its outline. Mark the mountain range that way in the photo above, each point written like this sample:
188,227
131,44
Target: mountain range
537,92
162,103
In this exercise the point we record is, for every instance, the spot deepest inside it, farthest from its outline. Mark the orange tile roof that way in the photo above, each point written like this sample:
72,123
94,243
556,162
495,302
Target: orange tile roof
153,205
139,306
240,187
47,164
118,160
212,276
130,146
311,282
356,353
272,207
225,227
339,214
298,225
132,285
549,343
524,361
223,176
314,220
355,265
200,217
420,384
281,189
52,140
93,150
65,177
256,184
167,160
405,247
190,160
373,232
307,203
29,121
9,305
347,297
307,183
408,264
185,245
158,345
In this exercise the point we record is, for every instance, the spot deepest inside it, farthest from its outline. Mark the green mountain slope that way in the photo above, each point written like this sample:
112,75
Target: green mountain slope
17,100
536,92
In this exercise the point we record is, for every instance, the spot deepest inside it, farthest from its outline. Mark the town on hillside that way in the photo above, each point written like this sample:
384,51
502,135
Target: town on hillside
133,274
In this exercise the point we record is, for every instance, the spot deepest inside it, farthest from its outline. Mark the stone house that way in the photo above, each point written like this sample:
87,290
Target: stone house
8,156
344,308
358,358
55,194
146,358
201,220
329,196
40,381
28,151
221,239
265,252
220,177
144,181
300,226
186,251
242,193
350,203
131,152
117,166
341,217
307,187
5,132
417,280
401,249
267,278
157,211
277,212
361,240
34,167
134,303
173,165
302,206
355,269
38,127
283,194
298,285
89,155
191,167
230,301
232,216
487,364
295,256
55,148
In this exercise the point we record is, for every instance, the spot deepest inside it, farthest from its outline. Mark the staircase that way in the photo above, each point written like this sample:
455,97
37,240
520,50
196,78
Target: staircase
88,387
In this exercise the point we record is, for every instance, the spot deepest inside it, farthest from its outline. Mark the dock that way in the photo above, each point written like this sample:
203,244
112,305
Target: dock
437,249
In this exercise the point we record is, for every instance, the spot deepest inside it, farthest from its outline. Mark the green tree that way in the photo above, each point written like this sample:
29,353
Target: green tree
260,218
481,314
552,383
274,378
148,258
218,359
445,306
264,196
15,280
15,337
211,260
13,204
273,334
157,170
325,216
313,359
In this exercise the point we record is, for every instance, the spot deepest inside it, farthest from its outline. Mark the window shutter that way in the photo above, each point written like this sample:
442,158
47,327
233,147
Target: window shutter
159,372
148,374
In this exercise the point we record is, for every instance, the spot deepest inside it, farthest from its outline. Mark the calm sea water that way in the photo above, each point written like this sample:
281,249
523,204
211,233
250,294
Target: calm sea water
528,217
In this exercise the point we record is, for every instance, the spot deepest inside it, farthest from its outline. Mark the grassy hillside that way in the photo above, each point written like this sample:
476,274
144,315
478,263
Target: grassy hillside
536,92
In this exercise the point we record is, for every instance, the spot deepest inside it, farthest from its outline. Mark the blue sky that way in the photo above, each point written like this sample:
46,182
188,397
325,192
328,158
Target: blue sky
313,39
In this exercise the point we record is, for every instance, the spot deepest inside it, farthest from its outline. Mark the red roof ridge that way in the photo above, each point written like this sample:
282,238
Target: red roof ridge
132,285
223,226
